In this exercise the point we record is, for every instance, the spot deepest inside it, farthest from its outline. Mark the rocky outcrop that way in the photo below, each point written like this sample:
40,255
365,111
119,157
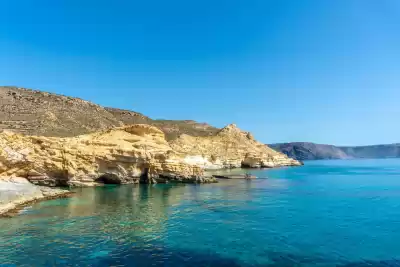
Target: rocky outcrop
129,154
56,140
229,148
16,191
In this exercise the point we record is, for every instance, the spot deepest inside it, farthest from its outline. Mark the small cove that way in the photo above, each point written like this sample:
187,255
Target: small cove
326,213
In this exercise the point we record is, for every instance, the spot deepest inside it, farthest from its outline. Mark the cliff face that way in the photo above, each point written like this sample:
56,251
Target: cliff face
130,154
311,151
58,140
127,154
229,148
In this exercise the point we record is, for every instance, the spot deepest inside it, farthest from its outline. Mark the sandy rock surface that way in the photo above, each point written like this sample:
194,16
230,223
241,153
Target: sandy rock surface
15,191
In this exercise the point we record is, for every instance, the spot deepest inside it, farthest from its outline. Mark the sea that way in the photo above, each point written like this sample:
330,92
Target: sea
325,213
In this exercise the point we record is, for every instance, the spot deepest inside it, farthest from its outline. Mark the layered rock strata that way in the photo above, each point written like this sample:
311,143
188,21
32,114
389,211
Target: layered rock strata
229,148
131,154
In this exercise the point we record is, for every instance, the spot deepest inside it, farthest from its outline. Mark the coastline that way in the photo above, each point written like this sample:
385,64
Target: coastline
17,192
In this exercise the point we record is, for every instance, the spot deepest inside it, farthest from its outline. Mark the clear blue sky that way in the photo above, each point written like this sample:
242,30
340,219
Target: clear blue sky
322,71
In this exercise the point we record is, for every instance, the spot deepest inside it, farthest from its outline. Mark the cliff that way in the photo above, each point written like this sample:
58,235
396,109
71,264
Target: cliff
129,154
54,140
311,151
229,148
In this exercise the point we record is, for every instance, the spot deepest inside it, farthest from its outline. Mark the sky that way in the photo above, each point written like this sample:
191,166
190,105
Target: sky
286,70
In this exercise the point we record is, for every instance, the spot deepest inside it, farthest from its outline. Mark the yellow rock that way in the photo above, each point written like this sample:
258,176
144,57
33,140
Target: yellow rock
130,154
229,148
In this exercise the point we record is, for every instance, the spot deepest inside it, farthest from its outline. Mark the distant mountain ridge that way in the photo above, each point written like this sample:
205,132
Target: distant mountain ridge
312,151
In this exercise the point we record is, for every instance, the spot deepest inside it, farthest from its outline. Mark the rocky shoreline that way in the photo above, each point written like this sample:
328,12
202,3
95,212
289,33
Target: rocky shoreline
17,192
131,154
32,166
53,140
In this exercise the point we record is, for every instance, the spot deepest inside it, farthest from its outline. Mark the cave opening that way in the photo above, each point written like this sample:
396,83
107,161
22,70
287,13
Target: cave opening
144,177
109,178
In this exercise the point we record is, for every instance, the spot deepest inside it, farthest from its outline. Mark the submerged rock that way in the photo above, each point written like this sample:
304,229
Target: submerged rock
234,176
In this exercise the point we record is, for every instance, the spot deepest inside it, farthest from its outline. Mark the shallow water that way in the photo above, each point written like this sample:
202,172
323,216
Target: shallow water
326,213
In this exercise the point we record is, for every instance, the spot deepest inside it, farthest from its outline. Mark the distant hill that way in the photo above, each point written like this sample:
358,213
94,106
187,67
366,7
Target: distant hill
35,112
375,151
311,151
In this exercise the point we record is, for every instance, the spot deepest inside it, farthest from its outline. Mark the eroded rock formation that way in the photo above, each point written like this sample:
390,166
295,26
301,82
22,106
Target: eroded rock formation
229,148
130,154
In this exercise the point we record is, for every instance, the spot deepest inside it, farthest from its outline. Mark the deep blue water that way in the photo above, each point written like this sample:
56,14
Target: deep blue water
326,213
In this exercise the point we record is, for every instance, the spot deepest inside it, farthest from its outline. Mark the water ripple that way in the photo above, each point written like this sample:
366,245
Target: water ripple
318,215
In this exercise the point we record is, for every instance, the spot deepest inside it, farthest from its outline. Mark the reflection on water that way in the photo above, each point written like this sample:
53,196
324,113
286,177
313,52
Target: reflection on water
318,215
101,224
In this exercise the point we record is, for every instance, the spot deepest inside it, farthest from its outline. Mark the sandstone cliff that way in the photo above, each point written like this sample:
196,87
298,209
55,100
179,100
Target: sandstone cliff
229,148
130,154
121,155
52,139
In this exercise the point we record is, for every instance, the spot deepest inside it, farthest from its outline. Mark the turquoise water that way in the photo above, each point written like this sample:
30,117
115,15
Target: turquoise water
326,213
